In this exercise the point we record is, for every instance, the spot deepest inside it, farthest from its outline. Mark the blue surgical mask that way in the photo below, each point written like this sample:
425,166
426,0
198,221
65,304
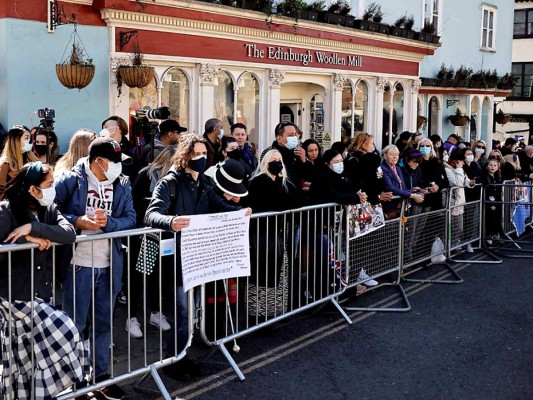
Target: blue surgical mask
338,167
292,142
221,134
425,150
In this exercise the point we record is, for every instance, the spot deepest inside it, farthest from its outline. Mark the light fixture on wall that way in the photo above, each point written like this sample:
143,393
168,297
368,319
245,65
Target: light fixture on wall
57,16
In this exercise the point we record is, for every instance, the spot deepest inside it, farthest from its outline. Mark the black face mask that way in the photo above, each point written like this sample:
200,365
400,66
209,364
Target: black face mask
40,149
235,154
198,165
275,167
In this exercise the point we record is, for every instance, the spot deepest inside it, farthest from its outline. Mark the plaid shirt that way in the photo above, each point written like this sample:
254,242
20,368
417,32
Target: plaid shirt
59,357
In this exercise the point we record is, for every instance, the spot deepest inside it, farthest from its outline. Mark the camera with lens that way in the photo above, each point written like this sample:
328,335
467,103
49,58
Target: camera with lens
46,126
146,126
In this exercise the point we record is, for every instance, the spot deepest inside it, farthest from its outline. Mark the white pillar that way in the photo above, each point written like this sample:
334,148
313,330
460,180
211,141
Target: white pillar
336,106
413,105
276,77
208,75
391,115
378,112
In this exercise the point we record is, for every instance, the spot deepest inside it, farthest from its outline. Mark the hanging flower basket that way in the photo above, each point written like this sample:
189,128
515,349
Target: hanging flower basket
458,120
137,76
75,76
502,119
420,121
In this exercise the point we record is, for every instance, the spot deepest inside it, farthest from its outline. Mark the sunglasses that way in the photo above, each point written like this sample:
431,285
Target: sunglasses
425,145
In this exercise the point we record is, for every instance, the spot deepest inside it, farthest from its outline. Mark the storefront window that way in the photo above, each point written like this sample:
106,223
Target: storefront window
361,107
176,94
248,106
224,100
144,97
433,120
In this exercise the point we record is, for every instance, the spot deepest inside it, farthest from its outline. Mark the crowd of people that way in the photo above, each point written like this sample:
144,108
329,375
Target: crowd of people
104,183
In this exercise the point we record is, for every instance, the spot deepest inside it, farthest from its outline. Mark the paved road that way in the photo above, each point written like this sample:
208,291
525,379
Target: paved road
467,341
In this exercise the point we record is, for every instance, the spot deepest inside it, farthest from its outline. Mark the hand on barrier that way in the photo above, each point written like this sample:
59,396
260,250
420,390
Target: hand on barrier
87,222
362,197
44,244
419,198
17,233
178,223
248,212
433,188
385,196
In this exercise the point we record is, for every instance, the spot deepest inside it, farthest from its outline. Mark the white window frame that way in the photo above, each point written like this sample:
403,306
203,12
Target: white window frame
431,14
486,30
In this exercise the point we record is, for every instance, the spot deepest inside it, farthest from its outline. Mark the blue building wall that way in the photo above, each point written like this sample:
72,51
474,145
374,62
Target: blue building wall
461,36
28,80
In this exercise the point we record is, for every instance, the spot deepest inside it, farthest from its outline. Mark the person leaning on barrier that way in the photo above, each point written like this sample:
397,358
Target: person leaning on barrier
96,198
433,175
194,195
29,215
526,163
395,182
16,153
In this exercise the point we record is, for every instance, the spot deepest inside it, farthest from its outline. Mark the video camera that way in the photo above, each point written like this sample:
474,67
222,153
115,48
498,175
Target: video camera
46,126
147,126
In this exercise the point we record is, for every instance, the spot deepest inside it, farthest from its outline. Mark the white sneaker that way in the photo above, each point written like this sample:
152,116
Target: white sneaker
469,248
134,328
159,321
367,281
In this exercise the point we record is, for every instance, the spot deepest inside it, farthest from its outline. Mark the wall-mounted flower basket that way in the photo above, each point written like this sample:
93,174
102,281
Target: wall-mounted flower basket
502,119
76,70
420,121
458,120
75,76
136,76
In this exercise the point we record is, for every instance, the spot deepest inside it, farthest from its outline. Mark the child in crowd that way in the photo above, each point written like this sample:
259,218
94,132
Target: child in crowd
493,212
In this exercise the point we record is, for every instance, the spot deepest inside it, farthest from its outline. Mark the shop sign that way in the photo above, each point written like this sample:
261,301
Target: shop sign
304,57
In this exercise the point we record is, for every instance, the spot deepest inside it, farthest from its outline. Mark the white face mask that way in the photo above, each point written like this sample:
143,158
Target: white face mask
221,134
26,147
479,151
292,142
49,194
445,158
105,133
113,170
470,158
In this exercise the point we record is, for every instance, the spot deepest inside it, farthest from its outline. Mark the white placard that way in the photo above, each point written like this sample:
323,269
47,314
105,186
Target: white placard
215,246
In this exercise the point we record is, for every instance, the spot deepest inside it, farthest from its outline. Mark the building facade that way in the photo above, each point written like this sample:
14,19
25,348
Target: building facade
256,67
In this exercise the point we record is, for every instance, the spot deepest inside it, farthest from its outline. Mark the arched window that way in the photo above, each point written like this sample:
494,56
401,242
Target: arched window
433,116
360,123
347,112
176,95
398,108
248,106
224,100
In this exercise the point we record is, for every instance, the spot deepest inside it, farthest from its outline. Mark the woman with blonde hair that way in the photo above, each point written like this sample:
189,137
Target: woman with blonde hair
479,147
78,148
16,153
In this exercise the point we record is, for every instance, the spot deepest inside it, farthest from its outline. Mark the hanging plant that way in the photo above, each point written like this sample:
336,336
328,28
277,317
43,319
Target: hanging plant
133,72
76,70
458,119
502,118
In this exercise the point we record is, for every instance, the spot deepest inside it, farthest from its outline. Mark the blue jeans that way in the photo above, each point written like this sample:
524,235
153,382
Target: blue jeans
78,305
179,334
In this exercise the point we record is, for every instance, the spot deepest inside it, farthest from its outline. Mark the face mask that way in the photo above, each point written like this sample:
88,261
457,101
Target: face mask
221,134
479,151
113,171
338,167
40,149
235,154
198,163
26,147
425,150
445,158
275,167
292,142
105,133
470,158
49,194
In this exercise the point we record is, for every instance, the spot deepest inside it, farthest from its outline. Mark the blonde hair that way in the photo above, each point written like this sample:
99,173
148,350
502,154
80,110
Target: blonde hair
78,147
262,168
185,149
12,153
513,160
389,148
432,148
162,163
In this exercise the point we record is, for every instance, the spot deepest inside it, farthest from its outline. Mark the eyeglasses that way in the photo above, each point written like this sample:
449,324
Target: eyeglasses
480,147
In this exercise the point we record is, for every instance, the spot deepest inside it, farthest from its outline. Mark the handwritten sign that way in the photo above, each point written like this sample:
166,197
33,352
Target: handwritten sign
215,246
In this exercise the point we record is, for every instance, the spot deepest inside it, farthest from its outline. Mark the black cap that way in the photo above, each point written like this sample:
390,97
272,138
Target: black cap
105,147
229,176
171,125
457,155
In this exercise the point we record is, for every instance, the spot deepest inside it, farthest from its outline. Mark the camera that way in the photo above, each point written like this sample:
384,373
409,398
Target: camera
46,113
158,113
145,126
46,126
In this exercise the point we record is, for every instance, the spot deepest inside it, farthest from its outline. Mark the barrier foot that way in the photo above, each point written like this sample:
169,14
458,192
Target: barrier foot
386,309
159,383
443,281
231,361
495,258
341,310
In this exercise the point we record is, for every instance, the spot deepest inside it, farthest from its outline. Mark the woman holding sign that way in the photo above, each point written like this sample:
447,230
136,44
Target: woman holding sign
183,192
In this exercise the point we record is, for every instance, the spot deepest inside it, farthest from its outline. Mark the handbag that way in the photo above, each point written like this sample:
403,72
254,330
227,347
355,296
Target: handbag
149,261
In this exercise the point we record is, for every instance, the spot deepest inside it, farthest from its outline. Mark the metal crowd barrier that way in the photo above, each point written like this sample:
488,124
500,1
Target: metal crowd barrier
128,358
424,234
296,259
507,214
378,253
466,227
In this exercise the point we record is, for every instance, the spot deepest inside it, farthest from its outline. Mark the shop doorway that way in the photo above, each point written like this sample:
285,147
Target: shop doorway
288,112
